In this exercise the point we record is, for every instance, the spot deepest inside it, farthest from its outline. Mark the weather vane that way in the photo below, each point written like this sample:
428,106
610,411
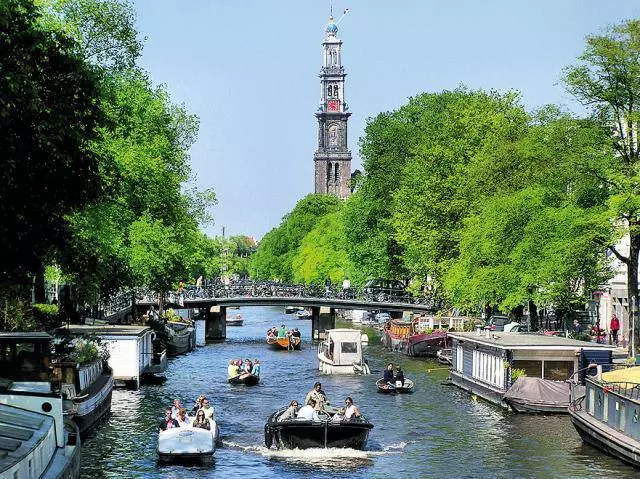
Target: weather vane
346,10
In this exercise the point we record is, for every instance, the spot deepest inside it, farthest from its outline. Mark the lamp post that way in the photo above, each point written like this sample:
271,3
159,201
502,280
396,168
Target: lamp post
596,296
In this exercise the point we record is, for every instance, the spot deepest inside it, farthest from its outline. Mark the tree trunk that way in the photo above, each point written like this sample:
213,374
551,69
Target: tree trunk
632,281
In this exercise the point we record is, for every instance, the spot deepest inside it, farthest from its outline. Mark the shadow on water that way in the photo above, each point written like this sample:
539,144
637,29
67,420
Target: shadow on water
435,432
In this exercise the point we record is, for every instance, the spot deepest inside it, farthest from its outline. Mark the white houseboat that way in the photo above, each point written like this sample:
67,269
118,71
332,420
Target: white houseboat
35,438
484,363
130,348
341,353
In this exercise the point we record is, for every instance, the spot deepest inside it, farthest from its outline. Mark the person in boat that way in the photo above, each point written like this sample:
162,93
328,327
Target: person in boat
318,396
201,421
296,333
339,416
175,409
231,369
182,418
246,369
399,377
282,332
256,368
351,411
388,374
309,412
167,422
208,410
198,404
290,413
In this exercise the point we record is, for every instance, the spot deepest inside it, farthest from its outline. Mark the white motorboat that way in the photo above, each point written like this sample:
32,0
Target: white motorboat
188,444
341,353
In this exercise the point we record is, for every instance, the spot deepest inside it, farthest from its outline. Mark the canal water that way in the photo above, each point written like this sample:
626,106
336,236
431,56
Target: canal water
436,432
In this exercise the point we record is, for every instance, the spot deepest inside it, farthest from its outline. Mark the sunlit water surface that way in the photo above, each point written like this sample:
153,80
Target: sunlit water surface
436,432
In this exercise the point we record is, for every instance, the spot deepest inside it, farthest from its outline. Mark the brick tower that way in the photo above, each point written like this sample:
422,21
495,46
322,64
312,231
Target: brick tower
332,158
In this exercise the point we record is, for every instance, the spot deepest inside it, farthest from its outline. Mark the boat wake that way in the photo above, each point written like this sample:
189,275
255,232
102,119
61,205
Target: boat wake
329,458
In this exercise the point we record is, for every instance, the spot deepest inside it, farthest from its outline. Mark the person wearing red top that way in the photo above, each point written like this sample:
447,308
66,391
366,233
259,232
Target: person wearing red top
614,326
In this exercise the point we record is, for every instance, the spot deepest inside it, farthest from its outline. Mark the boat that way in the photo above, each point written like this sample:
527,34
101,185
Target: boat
537,395
292,309
180,338
414,338
444,356
244,378
328,432
488,365
606,415
304,314
188,444
288,342
341,353
36,440
235,321
86,389
398,387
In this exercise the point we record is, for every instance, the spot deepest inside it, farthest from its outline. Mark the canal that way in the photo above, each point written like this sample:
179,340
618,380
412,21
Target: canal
436,432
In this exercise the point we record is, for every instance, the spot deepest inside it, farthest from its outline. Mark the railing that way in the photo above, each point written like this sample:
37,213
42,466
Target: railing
626,389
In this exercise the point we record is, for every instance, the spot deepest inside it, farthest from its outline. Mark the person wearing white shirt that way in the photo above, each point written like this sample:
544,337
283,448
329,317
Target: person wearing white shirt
308,412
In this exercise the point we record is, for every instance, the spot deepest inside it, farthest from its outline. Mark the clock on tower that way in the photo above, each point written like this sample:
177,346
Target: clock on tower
333,105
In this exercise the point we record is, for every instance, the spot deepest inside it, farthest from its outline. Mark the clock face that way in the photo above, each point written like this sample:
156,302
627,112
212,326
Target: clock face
333,105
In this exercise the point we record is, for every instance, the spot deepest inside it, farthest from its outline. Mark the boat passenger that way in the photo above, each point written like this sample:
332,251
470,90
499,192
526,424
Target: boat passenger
282,332
399,377
248,366
256,368
351,411
318,396
208,410
201,421
167,422
296,333
388,373
182,418
290,413
309,412
198,404
175,409
231,369
339,416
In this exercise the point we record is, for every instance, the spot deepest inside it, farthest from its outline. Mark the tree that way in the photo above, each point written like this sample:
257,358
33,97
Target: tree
49,115
606,78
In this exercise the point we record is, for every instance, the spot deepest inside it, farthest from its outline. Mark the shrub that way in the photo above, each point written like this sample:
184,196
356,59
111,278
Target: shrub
516,373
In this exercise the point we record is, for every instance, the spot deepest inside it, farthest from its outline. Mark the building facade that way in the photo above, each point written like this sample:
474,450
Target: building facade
332,158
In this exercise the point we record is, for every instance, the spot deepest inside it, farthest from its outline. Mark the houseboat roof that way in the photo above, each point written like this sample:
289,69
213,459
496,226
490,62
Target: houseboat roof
503,340
106,330
22,335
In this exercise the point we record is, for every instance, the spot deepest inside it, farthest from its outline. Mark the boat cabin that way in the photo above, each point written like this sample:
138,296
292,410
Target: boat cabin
487,363
341,352
130,349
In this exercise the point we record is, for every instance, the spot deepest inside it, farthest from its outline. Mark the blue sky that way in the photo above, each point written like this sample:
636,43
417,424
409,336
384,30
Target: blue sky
248,69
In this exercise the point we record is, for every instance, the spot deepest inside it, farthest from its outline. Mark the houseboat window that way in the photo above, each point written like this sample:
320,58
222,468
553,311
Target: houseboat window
623,416
558,370
349,348
533,369
459,359
488,368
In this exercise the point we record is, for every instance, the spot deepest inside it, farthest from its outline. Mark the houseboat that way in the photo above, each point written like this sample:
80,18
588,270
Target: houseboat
86,389
341,353
36,440
180,338
417,337
487,363
607,415
130,349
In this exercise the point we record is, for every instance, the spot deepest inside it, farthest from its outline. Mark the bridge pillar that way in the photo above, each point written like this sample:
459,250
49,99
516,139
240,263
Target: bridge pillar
216,328
322,318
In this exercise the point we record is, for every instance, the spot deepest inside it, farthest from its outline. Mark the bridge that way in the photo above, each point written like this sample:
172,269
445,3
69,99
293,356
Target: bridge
213,302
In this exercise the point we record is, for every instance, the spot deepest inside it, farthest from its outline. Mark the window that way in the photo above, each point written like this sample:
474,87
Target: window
459,359
329,171
558,370
336,168
488,368
349,348
531,368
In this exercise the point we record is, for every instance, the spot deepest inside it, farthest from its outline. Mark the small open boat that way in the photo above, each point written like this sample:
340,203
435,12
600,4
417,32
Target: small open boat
244,378
303,314
304,434
390,388
292,309
235,321
288,342
444,356
188,444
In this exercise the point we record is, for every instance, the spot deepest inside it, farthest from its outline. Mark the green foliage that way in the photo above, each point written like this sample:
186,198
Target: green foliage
84,351
171,315
516,373
48,309
580,336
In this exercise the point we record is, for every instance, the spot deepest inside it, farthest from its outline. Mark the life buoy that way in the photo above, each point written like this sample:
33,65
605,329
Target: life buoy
268,438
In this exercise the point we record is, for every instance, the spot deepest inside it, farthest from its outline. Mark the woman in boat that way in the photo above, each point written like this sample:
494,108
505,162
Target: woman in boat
256,368
207,409
339,416
290,413
318,396
198,404
388,374
231,369
201,421
182,418
351,411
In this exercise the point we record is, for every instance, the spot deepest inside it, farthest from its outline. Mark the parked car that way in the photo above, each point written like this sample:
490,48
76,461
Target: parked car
497,322
380,289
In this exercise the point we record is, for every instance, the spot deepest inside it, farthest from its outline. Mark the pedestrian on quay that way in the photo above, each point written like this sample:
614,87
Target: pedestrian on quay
614,326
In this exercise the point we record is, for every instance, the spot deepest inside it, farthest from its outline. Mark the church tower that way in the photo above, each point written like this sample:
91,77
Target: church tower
332,158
